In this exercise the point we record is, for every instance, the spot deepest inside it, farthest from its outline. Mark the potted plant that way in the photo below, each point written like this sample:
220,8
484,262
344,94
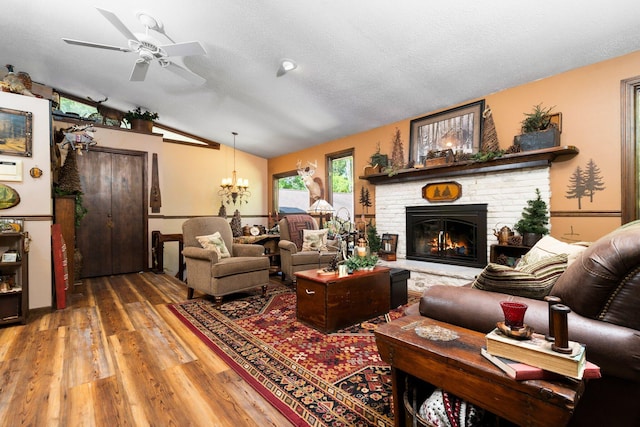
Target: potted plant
378,160
355,262
538,131
533,224
140,120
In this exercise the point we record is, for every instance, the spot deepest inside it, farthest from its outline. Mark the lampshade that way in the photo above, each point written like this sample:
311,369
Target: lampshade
320,206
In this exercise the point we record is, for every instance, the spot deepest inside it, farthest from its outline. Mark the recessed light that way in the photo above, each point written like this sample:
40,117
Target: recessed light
286,65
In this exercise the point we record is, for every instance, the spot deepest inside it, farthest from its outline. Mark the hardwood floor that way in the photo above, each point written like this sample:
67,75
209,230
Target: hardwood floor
115,357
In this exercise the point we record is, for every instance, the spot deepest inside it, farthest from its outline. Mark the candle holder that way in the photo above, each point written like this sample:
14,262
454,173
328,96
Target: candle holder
389,245
514,314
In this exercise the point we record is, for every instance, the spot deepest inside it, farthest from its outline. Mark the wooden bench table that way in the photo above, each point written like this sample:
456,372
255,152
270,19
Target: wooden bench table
458,367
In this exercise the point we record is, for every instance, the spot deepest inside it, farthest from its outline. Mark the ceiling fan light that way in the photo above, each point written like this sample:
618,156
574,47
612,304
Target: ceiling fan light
149,21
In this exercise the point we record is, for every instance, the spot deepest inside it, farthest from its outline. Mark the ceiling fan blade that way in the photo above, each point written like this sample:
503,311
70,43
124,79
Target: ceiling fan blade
139,71
184,73
184,49
98,45
116,22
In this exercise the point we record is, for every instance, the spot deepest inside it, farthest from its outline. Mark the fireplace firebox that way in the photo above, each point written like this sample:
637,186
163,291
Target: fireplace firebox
452,234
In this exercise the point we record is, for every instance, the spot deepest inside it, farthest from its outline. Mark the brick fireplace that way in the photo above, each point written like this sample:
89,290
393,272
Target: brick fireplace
505,193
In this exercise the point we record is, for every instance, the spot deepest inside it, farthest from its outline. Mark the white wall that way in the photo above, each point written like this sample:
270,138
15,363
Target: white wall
35,197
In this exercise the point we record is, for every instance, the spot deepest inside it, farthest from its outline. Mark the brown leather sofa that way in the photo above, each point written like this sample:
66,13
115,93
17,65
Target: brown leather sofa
602,288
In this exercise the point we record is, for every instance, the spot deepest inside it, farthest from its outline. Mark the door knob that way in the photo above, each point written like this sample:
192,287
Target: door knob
109,221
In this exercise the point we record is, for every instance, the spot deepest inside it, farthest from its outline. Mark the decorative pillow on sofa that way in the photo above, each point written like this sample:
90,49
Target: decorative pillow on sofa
549,246
533,280
214,242
314,240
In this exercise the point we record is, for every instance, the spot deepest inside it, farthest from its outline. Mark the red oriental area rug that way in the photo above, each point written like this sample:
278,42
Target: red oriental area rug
314,379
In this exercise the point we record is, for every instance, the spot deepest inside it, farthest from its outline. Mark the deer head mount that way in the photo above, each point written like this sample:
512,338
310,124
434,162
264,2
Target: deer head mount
314,185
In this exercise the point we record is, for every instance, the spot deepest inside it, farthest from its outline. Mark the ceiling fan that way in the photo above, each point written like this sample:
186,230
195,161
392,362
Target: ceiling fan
148,48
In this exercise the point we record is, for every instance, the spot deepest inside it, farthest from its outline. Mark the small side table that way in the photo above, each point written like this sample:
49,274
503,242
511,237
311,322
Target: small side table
157,242
510,251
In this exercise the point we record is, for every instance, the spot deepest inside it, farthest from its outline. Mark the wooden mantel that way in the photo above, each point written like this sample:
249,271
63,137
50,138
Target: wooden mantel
526,159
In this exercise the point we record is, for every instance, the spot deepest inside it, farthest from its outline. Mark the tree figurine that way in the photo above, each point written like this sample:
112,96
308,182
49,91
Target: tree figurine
222,212
533,224
236,224
397,155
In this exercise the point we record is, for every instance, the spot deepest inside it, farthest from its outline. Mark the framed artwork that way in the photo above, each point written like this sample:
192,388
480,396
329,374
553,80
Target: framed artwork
458,129
9,257
12,225
15,132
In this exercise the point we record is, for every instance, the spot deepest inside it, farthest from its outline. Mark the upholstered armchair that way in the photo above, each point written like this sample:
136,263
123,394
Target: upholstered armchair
295,253
216,265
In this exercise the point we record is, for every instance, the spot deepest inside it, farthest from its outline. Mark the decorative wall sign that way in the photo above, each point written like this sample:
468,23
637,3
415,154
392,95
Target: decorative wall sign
11,170
458,129
442,191
9,197
15,132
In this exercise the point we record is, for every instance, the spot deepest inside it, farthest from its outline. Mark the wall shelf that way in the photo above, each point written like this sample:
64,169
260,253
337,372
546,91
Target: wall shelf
521,160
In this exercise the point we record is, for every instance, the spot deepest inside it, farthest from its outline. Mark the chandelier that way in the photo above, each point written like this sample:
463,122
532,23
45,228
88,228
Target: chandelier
234,189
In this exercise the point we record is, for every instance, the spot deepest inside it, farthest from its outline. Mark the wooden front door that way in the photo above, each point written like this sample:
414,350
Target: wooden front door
112,237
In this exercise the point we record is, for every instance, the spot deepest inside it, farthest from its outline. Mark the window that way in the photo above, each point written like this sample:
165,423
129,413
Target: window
290,194
82,109
630,150
341,183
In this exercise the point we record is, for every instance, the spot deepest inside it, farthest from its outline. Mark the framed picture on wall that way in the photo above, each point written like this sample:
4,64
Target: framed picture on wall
15,132
458,129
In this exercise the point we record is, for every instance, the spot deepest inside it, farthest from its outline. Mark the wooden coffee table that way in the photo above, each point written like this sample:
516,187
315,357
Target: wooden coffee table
420,364
328,302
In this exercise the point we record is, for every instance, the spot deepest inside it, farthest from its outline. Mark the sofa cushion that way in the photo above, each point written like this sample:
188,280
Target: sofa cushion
238,265
314,240
549,246
214,242
533,280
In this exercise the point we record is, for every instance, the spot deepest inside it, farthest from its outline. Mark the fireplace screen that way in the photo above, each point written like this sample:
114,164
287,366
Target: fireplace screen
454,234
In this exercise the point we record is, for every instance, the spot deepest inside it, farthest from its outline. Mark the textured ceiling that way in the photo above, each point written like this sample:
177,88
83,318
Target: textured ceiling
362,63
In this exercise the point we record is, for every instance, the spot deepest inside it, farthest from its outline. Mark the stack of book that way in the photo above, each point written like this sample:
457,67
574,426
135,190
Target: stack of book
534,358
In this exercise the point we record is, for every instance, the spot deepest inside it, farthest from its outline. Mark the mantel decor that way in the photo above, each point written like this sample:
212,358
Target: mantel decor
534,158
458,129
15,132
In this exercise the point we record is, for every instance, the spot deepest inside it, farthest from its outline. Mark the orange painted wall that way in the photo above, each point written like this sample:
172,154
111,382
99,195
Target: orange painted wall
589,100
